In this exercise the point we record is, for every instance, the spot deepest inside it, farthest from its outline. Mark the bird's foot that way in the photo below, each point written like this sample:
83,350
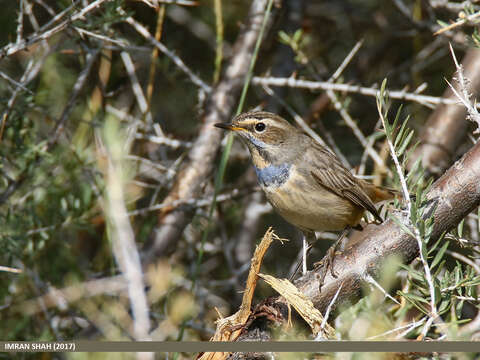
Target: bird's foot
325,265
327,262
358,227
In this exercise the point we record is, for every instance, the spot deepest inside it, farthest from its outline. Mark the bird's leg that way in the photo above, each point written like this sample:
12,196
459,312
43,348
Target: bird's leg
308,238
304,255
327,262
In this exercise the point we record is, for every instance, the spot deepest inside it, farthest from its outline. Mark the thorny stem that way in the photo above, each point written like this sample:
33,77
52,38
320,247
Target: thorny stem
406,197
464,98
426,100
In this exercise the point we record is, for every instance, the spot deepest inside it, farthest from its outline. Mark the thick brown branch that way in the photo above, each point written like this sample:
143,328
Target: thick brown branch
447,126
219,108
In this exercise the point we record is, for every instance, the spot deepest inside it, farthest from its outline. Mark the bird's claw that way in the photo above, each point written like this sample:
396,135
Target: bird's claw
326,264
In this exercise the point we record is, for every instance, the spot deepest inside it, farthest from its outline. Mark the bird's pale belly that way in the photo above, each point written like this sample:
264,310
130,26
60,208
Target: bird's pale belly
307,205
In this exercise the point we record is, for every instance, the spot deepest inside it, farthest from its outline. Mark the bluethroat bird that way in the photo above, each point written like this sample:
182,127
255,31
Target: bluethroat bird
304,181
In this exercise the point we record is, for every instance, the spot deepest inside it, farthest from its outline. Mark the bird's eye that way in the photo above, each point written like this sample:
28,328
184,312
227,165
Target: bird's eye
259,127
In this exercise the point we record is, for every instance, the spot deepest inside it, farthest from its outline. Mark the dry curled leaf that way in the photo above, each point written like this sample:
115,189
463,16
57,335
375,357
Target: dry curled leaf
302,304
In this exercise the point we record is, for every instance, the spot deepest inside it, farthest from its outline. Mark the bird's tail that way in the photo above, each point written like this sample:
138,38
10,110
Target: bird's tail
380,193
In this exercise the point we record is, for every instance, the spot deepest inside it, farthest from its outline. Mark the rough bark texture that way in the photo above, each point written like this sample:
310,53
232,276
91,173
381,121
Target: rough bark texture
197,169
447,126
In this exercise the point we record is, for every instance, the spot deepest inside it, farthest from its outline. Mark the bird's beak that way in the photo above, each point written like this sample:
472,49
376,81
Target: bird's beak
228,126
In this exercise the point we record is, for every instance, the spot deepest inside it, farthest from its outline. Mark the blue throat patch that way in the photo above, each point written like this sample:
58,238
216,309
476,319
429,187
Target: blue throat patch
273,175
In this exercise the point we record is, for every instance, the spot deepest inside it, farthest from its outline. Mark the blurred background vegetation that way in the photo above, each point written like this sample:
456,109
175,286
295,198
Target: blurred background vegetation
77,110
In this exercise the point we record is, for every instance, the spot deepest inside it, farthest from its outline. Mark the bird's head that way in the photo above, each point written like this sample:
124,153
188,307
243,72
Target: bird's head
268,136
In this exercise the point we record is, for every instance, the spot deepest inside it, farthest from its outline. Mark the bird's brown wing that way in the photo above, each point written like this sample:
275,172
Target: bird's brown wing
332,175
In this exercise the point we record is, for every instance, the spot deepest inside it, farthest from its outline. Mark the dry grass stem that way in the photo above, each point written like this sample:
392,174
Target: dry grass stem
229,328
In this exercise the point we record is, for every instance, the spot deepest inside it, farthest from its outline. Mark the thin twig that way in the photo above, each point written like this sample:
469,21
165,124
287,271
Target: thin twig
408,326
155,3
136,87
10,269
193,203
142,30
372,281
122,115
33,20
43,34
20,22
355,129
464,98
330,307
458,23
344,113
346,61
412,326
325,85
199,29
46,7
77,87
120,42
451,6
14,82
465,259
173,143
